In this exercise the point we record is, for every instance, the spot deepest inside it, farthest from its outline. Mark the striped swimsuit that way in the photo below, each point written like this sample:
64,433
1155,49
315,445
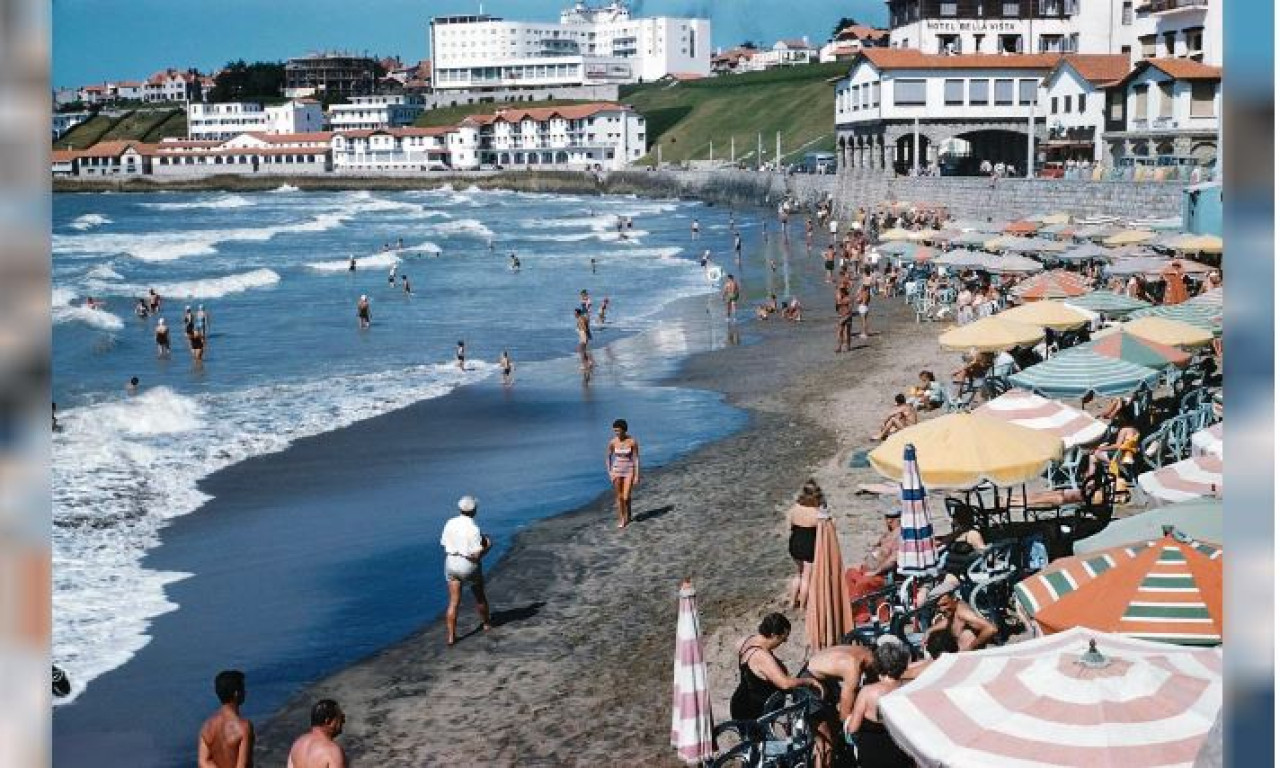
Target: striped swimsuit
623,462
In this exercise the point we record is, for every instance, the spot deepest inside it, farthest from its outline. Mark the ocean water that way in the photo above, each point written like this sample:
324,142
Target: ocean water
285,361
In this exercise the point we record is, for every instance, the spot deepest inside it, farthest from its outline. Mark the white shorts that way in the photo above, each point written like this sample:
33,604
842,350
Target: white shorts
458,568
863,309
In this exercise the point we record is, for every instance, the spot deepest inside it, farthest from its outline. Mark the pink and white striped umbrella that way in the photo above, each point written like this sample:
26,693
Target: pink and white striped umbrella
691,717
1207,442
1188,479
1030,410
1140,705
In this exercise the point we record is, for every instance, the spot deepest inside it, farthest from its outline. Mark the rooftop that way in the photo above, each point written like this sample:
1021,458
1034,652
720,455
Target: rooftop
907,58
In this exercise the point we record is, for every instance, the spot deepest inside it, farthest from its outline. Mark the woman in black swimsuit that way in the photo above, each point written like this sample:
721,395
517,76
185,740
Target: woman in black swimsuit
760,674
803,518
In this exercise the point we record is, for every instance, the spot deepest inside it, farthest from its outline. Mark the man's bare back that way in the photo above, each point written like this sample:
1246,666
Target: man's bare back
226,740
315,749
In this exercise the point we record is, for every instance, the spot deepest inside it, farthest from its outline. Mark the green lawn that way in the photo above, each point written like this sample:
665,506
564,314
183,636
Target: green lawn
85,134
175,125
135,125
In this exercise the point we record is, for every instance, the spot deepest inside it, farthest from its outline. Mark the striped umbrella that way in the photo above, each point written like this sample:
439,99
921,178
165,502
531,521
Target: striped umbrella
1046,314
918,553
1027,409
1136,350
1208,442
1053,702
1211,297
1200,519
1055,284
1175,333
828,615
1167,590
1107,303
1187,479
691,718
1205,316
1078,373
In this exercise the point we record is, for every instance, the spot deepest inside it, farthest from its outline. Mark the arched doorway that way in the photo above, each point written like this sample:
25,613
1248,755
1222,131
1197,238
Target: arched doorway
904,153
995,146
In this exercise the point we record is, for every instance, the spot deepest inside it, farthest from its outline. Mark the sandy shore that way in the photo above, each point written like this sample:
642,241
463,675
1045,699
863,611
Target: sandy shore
578,669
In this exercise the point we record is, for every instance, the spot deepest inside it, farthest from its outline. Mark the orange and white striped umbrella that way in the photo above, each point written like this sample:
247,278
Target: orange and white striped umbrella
1188,479
1208,442
1049,702
1027,409
1166,590
1056,284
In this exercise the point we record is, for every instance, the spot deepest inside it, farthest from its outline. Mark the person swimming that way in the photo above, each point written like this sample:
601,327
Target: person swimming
407,290
351,267
461,354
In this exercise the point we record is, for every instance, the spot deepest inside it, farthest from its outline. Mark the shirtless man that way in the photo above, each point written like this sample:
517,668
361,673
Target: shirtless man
839,669
902,416
730,293
316,748
844,319
970,629
226,738
362,311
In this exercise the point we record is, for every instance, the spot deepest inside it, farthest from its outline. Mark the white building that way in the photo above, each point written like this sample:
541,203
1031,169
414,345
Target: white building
850,40
126,90
610,136
784,53
173,85
226,120
107,158
589,45
372,112
65,121
1170,29
394,149
959,110
1074,100
1169,108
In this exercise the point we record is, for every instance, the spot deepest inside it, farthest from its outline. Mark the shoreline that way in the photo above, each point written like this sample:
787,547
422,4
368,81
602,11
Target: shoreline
584,616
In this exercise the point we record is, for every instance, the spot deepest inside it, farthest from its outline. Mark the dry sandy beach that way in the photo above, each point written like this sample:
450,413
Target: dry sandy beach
577,670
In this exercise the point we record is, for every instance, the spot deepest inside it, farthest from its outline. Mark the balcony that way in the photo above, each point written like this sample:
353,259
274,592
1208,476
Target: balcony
1160,7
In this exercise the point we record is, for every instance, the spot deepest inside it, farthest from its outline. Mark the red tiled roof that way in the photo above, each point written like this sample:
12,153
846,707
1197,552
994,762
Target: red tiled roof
1185,69
291,138
365,133
862,32
175,144
795,45
64,155
908,58
115,149
129,84
94,88
539,114
1097,68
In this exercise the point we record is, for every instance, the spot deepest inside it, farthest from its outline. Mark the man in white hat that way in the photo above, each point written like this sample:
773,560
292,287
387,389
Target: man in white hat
464,547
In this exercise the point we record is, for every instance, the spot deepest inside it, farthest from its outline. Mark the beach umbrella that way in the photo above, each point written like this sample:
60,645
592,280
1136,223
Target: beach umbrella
1168,590
978,225
970,239
1055,284
960,259
1136,350
941,235
1056,230
828,615
1097,220
997,243
1023,227
1084,252
1078,698
1206,317
1162,224
1129,237
1080,373
920,235
1027,409
991,334
1097,231
1200,519
1046,314
1107,303
1174,333
918,553
1010,264
1193,478
1054,218
1211,297
897,247
960,450
691,719
1035,245
1207,442
897,233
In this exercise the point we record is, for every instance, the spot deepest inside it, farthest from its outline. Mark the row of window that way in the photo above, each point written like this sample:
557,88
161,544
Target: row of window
913,92
1066,104
239,159
906,13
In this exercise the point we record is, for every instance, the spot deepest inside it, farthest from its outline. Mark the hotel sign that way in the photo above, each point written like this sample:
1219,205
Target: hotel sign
971,26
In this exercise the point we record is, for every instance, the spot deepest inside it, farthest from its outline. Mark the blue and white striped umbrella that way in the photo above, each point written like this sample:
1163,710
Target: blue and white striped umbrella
918,553
1076,373
1107,303
1205,316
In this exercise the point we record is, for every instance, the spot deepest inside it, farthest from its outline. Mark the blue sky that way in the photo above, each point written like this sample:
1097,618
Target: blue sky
96,40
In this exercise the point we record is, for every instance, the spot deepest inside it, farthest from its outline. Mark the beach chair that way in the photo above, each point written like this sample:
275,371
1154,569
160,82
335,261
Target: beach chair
993,599
782,738
872,615
1170,443
911,626
1066,473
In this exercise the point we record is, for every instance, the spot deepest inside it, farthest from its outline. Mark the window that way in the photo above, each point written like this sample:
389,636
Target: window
1195,40
979,92
1126,12
1202,99
1116,114
1027,91
1010,44
1080,103
1148,43
1126,50
908,93
948,44
875,94
1010,10
946,8
1166,100
953,92
1049,7
1051,44
1004,93
977,42
1066,104
1140,102
1170,43
1053,105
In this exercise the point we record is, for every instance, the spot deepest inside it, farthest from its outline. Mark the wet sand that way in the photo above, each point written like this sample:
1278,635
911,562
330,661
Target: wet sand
577,670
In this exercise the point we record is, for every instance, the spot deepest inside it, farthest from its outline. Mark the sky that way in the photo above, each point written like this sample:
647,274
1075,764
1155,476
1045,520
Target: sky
97,40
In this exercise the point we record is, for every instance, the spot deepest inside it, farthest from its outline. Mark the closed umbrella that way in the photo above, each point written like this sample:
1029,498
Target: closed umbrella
1193,478
1204,316
1079,373
1175,333
991,334
1055,284
1129,237
828,616
1200,519
1027,409
918,553
1080,698
1046,314
1136,350
1167,590
1207,442
691,718
1107,303
961,450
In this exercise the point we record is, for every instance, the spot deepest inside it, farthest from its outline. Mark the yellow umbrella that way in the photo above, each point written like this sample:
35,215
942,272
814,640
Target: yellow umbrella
1174,333
1046,314
991,334
1198,244
921,234
1056,218
897,233
1129,237
961,450
997,244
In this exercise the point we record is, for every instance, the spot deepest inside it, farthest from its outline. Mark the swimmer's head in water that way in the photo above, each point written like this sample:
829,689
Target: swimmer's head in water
134,381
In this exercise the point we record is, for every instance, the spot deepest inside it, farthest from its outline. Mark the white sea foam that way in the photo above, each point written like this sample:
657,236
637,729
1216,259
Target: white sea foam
217,287
89,221
121,469
285,188
218,203
64,310
469,227
384,259
103,272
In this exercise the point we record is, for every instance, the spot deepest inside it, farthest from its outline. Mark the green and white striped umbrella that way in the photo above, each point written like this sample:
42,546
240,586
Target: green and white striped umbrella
1205,316
970,239
1078,373
1107,303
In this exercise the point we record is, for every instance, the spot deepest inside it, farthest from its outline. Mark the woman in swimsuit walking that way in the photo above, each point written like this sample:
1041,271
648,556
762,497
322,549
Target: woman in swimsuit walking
622,462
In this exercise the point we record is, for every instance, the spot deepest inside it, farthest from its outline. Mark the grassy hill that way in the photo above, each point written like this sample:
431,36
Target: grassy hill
140,125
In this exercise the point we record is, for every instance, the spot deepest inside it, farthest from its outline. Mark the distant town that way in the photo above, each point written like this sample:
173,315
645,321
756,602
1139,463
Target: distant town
1081,89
